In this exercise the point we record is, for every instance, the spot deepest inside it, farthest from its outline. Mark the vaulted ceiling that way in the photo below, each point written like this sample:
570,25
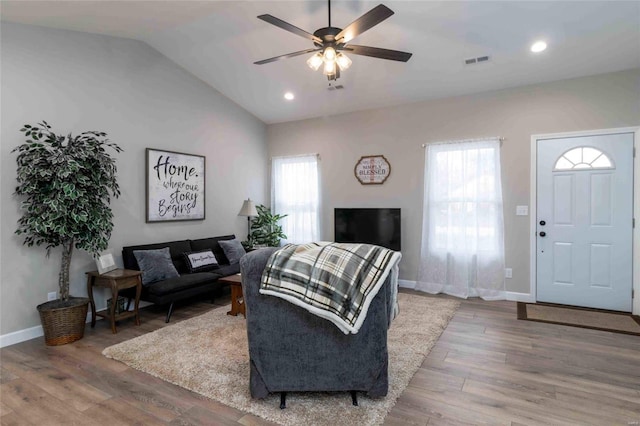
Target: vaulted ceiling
218,41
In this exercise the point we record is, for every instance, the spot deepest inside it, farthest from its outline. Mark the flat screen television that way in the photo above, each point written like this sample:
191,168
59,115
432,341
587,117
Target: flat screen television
371,226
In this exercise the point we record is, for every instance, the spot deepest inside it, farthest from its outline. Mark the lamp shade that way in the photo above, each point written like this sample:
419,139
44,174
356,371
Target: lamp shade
315,61
248,208
343,61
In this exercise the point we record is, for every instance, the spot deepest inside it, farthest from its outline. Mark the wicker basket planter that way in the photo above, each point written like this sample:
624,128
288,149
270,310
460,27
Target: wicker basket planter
63,322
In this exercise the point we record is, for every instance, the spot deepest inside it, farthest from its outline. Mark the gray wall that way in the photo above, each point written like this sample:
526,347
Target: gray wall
80,82
603,101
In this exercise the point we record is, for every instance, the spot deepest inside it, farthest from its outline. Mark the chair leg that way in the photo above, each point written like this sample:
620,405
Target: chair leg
283,400
169,313
354,398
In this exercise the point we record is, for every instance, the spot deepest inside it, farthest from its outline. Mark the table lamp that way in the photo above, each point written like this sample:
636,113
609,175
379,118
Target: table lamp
248,209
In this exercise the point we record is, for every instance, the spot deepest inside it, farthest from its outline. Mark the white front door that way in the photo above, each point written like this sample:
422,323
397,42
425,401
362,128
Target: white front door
584,221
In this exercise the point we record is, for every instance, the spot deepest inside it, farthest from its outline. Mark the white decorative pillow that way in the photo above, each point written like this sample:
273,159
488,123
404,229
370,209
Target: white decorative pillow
201,261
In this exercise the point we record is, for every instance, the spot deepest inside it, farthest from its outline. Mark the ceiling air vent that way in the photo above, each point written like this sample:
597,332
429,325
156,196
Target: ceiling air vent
478,60
336,87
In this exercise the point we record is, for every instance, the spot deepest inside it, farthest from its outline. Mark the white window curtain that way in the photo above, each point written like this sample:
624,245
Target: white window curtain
462,251
295,192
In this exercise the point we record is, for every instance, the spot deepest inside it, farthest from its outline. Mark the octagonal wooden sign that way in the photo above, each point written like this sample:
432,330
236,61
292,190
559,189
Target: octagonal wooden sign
372,170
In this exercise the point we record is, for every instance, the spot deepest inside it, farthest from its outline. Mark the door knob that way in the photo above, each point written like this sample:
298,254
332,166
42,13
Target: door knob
543,223
542,233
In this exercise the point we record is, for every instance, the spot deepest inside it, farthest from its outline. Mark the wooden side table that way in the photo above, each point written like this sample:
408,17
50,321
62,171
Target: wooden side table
237,301
116,280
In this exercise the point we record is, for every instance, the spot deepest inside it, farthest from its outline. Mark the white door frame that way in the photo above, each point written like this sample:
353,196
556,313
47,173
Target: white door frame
636,205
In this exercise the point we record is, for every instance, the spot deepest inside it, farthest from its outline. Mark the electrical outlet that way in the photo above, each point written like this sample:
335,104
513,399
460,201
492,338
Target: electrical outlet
522,210
508,273
52,296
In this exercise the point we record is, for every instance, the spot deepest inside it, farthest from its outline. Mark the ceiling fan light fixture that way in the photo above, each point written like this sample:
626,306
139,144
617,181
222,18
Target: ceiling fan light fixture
315,61
329,68
329,54
343,61
329,39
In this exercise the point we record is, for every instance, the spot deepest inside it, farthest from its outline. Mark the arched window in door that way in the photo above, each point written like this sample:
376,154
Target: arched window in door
583,157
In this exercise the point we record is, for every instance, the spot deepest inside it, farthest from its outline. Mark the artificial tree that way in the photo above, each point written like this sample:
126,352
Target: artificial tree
67,183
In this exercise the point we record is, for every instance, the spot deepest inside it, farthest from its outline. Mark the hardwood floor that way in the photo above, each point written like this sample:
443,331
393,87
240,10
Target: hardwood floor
487,368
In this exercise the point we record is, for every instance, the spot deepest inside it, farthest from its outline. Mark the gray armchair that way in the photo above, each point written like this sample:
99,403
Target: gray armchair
292,350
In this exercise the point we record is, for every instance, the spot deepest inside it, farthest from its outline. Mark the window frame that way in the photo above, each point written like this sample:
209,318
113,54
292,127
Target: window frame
590,167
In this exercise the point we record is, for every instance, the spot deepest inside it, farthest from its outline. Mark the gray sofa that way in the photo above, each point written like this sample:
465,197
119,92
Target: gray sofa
292,350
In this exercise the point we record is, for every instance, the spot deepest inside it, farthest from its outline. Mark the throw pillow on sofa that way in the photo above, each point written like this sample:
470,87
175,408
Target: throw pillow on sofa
200,261
233,250
156,265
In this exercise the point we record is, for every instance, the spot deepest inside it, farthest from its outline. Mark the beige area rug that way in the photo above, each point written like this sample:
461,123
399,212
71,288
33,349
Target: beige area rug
580,317
208,354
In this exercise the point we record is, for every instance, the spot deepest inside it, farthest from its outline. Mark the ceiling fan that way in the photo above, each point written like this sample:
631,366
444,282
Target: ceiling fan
331,42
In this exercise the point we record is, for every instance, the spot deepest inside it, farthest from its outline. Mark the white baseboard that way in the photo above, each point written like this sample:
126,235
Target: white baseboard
520,297
28,334
21,336
510,295
407,284
37,331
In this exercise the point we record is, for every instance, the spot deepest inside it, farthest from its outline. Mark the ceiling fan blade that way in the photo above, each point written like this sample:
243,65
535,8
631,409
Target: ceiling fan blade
363,23
376,52
288,27
288,55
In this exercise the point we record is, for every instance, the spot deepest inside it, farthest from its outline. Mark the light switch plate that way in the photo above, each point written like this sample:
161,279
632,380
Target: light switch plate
522,210
508,273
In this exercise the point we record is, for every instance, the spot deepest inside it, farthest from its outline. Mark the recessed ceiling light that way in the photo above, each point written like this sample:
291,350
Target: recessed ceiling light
538,46
289,96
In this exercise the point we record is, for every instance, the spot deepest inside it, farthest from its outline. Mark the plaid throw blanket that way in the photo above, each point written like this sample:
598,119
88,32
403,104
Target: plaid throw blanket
335,281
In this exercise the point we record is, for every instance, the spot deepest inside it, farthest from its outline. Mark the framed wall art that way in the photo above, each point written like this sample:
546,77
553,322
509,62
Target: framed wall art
175,186
372,170
105,262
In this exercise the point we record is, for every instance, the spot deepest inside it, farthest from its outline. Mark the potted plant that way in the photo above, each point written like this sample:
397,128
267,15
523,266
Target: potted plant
66,183
265,230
